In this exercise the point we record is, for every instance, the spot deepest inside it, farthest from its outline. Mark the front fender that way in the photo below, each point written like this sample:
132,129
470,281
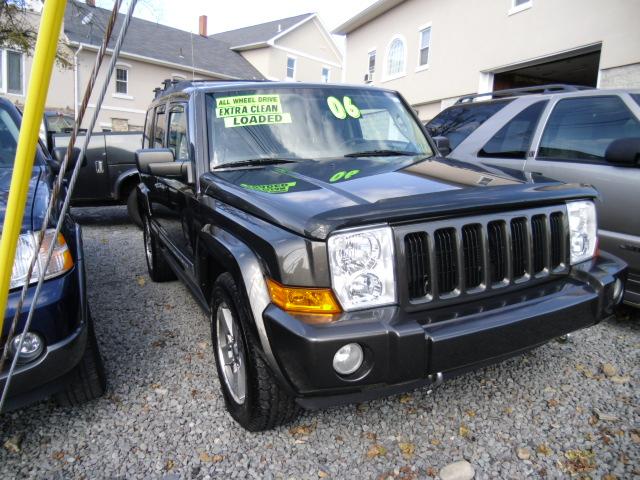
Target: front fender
235,257
122,178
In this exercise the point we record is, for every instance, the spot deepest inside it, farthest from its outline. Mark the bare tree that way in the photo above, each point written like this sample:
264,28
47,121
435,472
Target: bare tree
18,30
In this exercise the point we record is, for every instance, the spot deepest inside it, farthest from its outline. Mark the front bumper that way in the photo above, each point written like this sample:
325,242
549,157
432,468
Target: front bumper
406,350
61,318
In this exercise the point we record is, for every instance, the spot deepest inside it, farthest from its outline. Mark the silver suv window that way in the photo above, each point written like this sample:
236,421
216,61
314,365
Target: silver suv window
514,138
458,122
582,128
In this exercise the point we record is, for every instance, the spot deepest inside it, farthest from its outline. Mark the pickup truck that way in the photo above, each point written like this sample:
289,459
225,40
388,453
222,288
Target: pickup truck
340,259
108,175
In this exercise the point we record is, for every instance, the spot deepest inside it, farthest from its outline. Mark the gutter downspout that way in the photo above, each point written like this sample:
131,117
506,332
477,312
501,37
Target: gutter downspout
76,81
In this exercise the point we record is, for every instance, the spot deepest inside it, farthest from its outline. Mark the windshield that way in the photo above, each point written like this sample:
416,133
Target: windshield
8,139
309,123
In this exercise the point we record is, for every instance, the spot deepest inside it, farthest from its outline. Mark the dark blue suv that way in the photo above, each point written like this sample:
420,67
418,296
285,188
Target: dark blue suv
59,355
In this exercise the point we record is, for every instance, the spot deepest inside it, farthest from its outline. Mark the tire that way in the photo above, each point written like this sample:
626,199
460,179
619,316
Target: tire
157,265
132,208
88,380
265,404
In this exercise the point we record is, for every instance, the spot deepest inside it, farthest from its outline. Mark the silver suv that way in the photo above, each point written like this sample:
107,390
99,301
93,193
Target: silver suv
567,133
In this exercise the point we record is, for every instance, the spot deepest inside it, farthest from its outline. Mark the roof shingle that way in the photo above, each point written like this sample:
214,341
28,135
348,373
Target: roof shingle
85,24
261,33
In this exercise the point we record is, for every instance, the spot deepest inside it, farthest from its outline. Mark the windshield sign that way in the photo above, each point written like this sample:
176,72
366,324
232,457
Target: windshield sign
295,124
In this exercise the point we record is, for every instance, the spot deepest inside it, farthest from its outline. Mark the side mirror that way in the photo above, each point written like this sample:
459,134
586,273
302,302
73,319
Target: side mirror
160,162
443,146
624,152
57,157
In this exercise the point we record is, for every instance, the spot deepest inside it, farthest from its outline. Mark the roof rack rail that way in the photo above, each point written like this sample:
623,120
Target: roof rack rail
515,92
168,84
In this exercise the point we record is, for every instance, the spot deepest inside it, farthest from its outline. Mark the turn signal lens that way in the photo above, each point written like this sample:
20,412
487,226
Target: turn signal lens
303,299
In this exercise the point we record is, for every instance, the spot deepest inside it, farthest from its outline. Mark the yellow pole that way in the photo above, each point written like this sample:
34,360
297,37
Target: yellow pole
43,58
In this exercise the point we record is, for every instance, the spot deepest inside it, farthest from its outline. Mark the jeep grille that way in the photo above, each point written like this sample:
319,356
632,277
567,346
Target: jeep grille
449,259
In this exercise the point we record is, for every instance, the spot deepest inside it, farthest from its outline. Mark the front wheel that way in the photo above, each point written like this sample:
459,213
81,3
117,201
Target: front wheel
252,395
88,380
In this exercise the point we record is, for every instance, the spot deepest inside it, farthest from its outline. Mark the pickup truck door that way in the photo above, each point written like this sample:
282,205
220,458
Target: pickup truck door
177,218
570,146
93,180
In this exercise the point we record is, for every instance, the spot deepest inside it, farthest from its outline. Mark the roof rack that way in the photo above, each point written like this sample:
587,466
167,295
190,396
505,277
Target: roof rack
515,92
168,84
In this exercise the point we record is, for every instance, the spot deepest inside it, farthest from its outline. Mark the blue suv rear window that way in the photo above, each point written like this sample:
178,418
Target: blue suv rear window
458,122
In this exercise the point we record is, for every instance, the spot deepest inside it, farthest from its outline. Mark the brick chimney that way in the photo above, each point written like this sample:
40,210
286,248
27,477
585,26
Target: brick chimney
91,3
202,25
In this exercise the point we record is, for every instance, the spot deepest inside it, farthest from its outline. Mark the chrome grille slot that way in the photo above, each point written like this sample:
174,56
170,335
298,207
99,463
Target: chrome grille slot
417,255
557,239
472,253
497,251
539,240
519,246
445,260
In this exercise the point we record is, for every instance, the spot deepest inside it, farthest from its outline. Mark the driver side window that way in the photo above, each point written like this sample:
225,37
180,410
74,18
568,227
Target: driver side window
159,128
178,140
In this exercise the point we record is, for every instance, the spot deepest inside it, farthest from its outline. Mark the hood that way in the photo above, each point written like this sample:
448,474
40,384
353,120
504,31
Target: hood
37,198
313,198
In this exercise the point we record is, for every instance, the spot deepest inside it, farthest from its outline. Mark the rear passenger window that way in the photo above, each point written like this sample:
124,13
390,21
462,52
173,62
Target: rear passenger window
636,97
583,128
514,138
178,141
159,128
457,123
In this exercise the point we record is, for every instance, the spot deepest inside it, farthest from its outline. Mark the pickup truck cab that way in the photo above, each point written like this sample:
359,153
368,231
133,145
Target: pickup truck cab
340,259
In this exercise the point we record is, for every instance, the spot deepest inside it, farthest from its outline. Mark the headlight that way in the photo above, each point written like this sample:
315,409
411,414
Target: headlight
583,229
61,260
361,264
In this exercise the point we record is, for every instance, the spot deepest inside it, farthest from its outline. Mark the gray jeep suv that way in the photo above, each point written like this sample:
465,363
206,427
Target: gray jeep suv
571,134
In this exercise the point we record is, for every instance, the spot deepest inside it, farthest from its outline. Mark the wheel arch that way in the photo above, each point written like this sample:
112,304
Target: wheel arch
217,252
125,182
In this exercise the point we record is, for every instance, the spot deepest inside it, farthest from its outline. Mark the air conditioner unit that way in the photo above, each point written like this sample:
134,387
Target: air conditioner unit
368,77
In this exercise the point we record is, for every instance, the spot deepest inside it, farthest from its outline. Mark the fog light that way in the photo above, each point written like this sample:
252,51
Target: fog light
348,359
32,347
617,291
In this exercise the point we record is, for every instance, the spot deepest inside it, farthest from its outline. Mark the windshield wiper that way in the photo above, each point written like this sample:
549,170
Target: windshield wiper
382,153
255,162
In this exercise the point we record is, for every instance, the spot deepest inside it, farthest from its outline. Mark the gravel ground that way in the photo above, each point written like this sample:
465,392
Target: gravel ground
563,409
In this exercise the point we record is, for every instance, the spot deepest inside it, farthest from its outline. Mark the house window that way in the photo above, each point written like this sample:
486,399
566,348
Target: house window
122,80
291,68
396,57
372,62
519,5
324,77
425,45
11,72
